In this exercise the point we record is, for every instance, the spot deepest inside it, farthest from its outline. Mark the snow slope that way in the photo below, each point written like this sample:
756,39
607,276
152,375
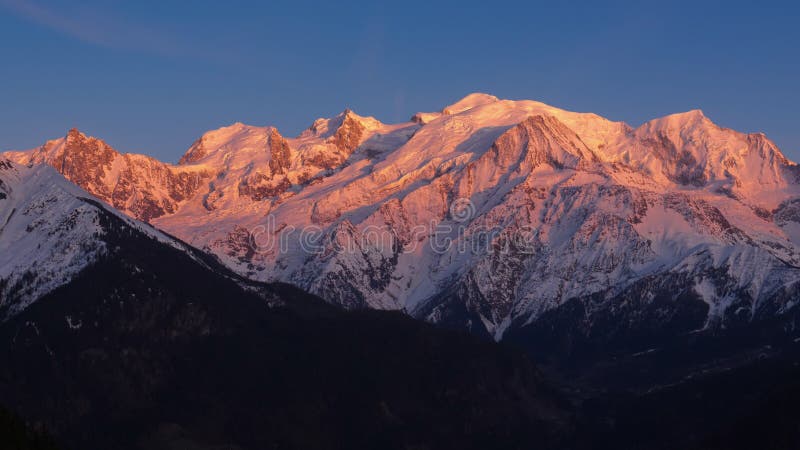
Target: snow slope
47,234
50,230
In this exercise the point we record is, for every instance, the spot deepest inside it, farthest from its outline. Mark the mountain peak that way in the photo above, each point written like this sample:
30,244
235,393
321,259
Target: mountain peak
689,149
212,140
74,134
75,140
679,127
470,101
328,127
349,131
691,115
235,127
682,120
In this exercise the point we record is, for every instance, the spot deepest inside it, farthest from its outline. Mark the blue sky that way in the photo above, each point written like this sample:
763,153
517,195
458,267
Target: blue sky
151,77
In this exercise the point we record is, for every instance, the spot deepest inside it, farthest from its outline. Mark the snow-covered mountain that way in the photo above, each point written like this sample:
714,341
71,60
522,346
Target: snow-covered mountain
48,233
486,215
52,230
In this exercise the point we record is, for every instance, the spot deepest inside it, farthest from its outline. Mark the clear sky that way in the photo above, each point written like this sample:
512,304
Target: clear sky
152,76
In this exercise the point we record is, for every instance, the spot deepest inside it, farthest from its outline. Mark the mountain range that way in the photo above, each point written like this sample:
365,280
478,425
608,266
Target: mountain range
485,216
271,292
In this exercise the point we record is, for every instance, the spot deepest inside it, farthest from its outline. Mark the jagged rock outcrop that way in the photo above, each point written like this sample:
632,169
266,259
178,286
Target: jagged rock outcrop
139,185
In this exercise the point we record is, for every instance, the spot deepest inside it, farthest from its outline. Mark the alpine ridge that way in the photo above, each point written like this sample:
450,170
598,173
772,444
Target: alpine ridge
700,223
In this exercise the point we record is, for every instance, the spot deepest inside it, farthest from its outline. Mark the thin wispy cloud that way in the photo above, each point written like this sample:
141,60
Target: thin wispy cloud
92,26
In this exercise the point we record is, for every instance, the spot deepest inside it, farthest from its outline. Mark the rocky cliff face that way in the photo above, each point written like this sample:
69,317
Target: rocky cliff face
486,215
141,186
